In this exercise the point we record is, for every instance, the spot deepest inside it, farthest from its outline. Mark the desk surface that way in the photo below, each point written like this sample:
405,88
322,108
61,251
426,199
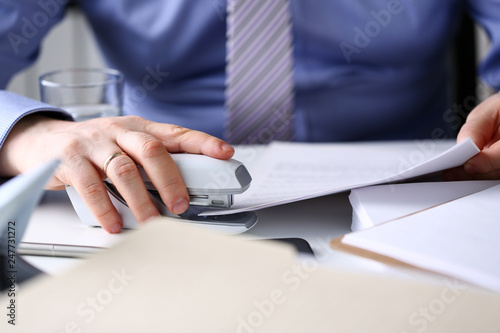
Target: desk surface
316,220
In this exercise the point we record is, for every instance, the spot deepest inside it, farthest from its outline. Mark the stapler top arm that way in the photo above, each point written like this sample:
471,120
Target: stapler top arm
210,182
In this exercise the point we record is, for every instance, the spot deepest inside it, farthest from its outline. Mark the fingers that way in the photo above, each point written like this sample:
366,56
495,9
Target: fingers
179,139
483,127
477,127
40,139
88,183
482,124
150,152
486,162
459,174
84,147
148,144
123,173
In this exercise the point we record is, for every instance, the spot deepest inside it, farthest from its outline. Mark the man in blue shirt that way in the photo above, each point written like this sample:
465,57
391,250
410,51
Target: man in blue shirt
363,71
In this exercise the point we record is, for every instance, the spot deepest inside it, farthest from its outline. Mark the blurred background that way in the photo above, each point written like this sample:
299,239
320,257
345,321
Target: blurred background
71,44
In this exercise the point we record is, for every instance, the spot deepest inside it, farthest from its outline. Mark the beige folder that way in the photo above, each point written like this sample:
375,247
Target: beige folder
173,277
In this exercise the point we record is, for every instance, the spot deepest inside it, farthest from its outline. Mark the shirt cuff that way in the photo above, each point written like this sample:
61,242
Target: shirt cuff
14,107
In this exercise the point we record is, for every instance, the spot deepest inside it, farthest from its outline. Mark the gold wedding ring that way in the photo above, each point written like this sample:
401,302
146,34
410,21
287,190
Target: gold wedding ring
110,159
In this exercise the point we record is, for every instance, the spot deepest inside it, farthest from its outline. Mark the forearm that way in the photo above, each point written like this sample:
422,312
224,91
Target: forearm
21,138
17,114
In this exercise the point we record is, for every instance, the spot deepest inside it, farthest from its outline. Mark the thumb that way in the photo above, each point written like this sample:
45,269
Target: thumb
488,160
482,123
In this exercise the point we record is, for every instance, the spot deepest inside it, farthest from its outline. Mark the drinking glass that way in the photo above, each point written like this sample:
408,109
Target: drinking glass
85,93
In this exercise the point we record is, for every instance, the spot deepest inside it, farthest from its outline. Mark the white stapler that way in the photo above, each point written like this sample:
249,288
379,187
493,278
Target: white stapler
211,183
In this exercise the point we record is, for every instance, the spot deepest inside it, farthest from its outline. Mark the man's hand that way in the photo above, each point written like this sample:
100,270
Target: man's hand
483,127
84,147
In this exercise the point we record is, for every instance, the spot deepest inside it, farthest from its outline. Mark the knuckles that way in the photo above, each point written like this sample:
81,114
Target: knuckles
132,118
94,190
123,168
179,131
118,123
94,133
172,184
109,124
73,150
152,148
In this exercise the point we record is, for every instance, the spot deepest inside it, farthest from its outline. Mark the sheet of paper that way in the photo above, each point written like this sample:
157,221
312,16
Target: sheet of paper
55,222
169,277
376,204
18,198
458,239
291,172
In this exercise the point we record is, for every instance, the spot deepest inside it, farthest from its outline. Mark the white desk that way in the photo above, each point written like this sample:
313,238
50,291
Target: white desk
317,221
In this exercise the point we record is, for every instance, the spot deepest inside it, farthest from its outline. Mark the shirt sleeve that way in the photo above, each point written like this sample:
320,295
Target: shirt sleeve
14,107
23,25
487,14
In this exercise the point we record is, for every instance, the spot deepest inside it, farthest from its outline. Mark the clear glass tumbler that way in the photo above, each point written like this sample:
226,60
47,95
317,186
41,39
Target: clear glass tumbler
86,93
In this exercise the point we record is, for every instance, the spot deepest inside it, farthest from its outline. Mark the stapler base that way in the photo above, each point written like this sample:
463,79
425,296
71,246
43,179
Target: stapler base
232,224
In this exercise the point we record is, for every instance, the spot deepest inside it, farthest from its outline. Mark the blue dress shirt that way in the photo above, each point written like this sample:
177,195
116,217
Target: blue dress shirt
364,70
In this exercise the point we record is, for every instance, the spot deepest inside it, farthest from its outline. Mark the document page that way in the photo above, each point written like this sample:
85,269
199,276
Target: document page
289,172
459,239
373,205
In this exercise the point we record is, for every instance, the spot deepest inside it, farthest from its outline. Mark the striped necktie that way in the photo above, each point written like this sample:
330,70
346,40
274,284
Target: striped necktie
259,83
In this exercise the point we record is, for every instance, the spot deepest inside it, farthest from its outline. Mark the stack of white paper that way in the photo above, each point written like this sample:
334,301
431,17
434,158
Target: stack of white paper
458,238
376,204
